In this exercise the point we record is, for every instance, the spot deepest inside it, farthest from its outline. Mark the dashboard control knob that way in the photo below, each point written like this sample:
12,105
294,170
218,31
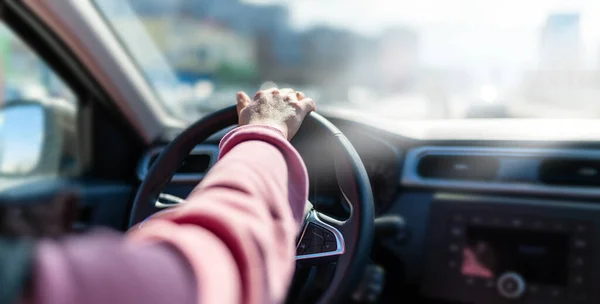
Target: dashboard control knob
511,285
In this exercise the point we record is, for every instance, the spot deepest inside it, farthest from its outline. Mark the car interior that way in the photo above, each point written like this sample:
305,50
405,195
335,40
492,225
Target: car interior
412,211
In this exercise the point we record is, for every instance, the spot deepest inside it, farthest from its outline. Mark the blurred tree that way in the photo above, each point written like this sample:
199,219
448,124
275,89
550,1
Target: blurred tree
238,74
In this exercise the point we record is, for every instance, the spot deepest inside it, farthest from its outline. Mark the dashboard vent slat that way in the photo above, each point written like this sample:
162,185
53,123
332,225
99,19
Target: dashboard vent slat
571,172
454,167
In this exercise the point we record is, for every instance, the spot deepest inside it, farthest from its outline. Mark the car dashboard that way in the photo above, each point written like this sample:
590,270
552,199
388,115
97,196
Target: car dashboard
501,220
501,224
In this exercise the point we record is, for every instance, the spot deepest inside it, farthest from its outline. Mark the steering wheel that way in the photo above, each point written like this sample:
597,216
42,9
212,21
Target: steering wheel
322,238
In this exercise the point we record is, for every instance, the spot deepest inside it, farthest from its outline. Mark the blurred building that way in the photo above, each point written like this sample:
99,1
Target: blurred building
259,37
560,77
265,24
560,43
204,48
250,20
328,56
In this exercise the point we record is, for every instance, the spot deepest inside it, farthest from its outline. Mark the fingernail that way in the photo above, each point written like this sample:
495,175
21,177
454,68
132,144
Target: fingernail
239,95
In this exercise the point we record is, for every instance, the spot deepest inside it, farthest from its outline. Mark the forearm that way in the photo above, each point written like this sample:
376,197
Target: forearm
243,210
232,242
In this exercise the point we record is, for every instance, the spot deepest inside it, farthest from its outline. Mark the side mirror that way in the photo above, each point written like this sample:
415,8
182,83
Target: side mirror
32,142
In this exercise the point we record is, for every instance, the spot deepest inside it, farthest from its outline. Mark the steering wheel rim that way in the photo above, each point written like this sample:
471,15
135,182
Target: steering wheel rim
356,232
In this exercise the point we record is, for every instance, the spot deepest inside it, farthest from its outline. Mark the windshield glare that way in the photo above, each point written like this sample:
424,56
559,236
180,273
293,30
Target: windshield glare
427,59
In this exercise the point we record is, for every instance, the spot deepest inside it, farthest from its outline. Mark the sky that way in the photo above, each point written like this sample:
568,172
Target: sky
371,15
23,128
468,33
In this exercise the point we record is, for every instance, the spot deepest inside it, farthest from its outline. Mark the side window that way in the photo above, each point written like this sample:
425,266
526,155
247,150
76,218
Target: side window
37,116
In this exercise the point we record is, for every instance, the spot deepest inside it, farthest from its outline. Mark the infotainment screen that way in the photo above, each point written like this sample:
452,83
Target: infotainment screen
537,256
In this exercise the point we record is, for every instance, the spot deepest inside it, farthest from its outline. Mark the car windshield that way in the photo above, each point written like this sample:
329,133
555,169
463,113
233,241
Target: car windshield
399,59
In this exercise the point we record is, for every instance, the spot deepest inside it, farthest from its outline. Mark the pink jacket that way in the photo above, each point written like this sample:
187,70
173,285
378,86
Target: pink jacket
233,241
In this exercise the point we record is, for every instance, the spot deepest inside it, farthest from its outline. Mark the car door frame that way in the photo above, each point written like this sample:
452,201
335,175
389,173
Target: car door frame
106,179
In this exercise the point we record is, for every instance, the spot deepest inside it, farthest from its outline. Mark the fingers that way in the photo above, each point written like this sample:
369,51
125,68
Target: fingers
243,100
298,99
258,96
287,95
308,105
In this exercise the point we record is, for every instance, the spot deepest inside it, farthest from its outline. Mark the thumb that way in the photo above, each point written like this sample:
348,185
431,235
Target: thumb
242,101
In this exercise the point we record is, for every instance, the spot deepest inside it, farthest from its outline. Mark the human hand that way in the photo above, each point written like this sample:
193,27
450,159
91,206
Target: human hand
284,109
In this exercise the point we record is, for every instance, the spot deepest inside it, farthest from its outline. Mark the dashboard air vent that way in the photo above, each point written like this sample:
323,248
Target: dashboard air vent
572,172
194,167
464,167
535,171
194,163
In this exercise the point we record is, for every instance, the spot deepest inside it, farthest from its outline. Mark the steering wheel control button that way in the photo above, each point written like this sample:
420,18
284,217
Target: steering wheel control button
317,237
307,240
313,233
328,236
315,230
511,285
304,244
312,249
329,246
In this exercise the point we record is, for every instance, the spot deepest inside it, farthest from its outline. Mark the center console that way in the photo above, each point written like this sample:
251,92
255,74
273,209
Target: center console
504,250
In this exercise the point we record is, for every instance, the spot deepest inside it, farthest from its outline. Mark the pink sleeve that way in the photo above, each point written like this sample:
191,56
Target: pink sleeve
233,241
237,229
101,268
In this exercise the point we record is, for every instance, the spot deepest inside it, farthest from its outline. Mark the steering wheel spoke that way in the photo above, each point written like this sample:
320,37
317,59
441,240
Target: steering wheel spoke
321,239
166,200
